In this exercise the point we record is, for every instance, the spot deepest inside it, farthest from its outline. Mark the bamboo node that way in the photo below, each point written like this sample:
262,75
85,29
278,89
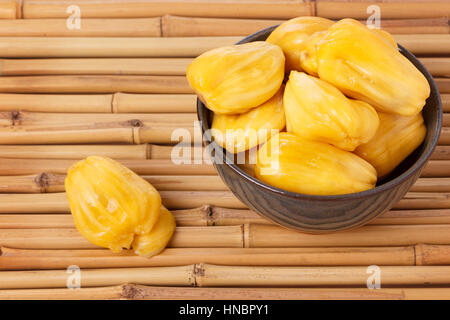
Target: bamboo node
132,291
136,123
208,211
19,9
42,180
163,25
16,118
197,274
313,7
148,151
246,236
114,103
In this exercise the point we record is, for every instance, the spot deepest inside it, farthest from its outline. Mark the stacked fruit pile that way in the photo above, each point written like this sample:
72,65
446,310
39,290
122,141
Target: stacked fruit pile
351,105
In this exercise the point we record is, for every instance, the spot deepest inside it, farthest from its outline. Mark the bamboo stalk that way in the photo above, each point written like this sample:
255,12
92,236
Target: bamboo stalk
396,217
37,221
94,84
232,276
444,138
169,276
20,259
208,275
184,237
416,26
436,44
118,151
432,254
436,168
438,67
35,119
142,167
96,103
445,102
255,235
127,103
441,153
8,9
100,293
150,8
201,216
131,131
142,151
140,292
443,84
175,26
55,103
370,235
193,199
57,202
431,185
40,183
105,66
225,216
144,292
421,200
187,183
148,27
40,47
50,182
216,216
339,9
57,128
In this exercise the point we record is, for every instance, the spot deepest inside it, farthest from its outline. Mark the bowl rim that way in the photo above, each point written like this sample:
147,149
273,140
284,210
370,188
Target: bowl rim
362,194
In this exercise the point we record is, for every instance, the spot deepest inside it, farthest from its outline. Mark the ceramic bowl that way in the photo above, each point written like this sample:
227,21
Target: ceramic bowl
320,214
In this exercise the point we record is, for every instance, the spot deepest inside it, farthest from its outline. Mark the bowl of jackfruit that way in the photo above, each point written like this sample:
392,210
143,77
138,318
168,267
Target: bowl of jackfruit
317,125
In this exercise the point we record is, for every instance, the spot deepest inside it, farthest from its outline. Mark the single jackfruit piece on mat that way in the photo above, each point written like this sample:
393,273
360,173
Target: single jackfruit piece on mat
152,243
300,165
110,204
235,79
241,132
397,137
365,66
293,34
318,111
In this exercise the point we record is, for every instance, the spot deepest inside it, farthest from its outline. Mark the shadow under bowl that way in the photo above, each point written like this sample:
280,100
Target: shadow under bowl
321,214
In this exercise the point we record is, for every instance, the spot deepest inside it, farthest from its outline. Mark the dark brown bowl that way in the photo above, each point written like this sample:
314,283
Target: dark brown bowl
318,214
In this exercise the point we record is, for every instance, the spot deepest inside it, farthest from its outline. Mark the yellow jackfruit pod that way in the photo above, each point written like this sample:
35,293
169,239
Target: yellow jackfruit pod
237,133
110,204
152,243
367,67
309,167
292,34
386,36
235,79
396,138
318,111
308,54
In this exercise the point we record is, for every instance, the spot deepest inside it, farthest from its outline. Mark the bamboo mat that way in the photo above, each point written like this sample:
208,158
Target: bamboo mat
116,87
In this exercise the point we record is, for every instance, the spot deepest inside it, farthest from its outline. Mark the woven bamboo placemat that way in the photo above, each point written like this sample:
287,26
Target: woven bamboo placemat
115,87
